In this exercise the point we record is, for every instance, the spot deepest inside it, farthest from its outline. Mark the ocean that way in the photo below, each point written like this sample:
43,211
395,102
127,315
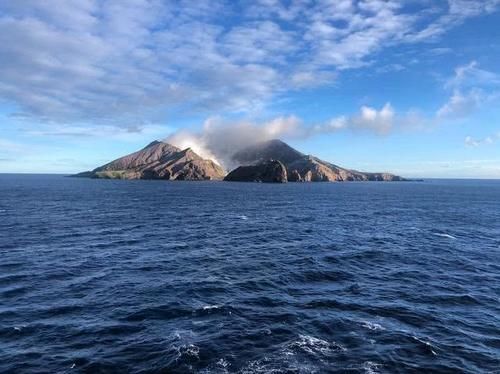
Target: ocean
106,276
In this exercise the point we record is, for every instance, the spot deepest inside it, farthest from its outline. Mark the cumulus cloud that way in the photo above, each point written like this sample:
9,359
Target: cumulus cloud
379,121
106,61
368,119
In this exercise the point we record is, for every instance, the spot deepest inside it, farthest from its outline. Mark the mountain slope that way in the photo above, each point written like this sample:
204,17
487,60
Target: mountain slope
159,160
301,167
272,149
272,171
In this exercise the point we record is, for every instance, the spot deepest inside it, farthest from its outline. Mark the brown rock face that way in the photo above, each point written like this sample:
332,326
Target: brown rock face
301,167
159,160
271,161
294,176
271,171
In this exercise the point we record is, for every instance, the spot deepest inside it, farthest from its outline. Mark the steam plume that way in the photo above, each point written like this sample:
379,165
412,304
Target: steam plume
219,141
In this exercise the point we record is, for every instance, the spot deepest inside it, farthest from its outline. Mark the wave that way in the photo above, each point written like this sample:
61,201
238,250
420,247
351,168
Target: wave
313,345
443,235
371,367
372,326
427,345
211,307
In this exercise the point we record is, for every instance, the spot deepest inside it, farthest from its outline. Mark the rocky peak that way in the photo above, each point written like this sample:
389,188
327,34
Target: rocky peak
300,167
270,171
269,150
159,160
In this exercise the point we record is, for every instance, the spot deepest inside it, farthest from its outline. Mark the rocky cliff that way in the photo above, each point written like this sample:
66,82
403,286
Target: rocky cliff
271,171
159,160
304,168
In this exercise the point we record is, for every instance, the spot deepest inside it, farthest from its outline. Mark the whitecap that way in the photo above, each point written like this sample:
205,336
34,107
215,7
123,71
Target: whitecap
19,328
210,307
192,350
189,350
372,326
181,334
442,235
223,363
243,217
313,345
3,210
427,344
371,367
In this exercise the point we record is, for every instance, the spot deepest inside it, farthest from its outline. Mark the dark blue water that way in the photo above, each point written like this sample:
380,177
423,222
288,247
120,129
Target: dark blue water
105,276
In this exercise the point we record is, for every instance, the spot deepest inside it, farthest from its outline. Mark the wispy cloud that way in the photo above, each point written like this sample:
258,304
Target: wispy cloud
106,61
450,14
461,104
471,75
7,146
476,142
471,87
130,133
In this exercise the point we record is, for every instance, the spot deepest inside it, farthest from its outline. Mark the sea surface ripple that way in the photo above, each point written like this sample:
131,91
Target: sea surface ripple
102,276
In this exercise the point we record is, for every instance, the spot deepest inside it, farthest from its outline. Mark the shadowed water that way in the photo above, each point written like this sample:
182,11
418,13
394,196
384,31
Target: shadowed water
151,276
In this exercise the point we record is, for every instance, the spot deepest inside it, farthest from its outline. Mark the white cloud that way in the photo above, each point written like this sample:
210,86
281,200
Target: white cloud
471,142
381,121
106,61
471,88
452,14
460,105
122,133
470,75
474,142
218,139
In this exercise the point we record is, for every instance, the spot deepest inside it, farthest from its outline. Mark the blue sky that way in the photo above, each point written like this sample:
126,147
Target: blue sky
405,86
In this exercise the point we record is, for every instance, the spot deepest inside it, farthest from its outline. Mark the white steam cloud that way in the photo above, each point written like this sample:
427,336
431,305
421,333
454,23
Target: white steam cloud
219,140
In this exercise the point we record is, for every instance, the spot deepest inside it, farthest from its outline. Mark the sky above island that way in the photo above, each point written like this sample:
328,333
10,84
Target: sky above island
406,86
